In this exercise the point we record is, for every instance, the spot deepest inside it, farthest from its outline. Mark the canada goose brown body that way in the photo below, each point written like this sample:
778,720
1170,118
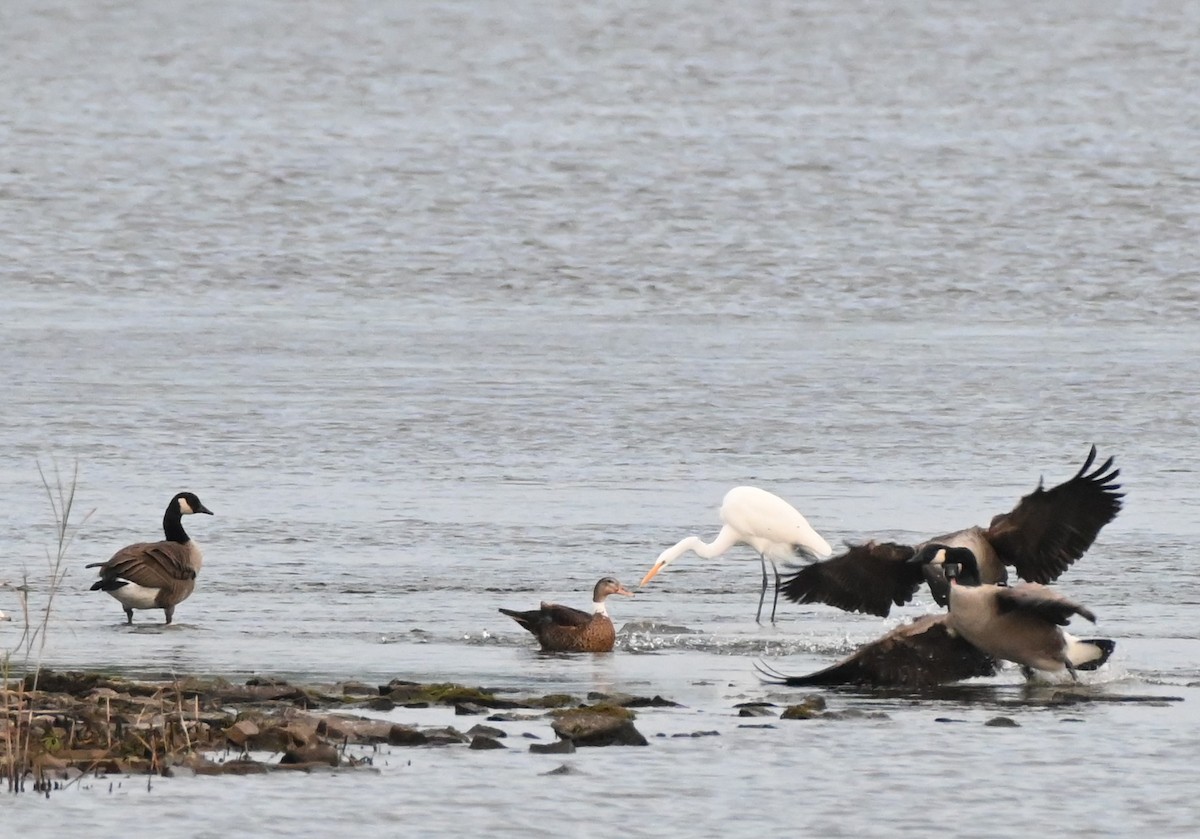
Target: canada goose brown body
563,629
156,575
920,654
1039,538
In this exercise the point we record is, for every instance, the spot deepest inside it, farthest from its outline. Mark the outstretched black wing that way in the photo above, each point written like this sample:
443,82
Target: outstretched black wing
919,654
1051,528
866,578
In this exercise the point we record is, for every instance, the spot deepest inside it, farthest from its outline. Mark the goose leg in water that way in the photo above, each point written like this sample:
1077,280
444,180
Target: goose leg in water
129,616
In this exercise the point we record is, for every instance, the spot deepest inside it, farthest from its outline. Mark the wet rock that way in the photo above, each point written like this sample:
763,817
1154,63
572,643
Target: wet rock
469,709
598,726
609,698
240,733
511,717
72,682
807,708
756,710
486,731
558,747
554,700
447,736
446,693
946,719
355,729
380,703
564,769
242,766
266,681
481,742
854,714
655,701
403,735
698,734
757,725
1002,722
358,689
322,754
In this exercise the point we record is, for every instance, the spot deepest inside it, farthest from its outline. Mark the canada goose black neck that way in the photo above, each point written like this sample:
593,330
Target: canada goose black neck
173,524
960,563
184,502
967,573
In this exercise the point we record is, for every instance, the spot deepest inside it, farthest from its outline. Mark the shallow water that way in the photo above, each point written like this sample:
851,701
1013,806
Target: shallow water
444,307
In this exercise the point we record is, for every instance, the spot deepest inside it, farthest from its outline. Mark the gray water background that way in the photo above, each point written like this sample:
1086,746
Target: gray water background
449,306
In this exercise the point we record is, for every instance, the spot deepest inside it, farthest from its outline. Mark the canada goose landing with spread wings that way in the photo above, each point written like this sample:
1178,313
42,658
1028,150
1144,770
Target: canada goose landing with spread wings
765,522
1040,538
156,575
562,629
985,623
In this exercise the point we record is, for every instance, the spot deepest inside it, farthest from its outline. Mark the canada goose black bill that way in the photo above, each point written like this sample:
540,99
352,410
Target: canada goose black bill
1021,623
1039,538
156,575
562,629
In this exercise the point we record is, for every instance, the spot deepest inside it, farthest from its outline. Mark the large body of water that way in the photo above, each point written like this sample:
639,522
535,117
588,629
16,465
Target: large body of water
445,306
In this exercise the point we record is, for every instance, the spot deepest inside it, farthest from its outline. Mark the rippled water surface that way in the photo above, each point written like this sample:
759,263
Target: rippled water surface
445,306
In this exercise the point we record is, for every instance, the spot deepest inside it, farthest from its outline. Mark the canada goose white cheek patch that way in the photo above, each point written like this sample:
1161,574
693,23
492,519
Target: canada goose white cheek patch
185,508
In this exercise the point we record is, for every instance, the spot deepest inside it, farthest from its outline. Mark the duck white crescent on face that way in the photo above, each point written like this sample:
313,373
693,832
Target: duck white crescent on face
762,520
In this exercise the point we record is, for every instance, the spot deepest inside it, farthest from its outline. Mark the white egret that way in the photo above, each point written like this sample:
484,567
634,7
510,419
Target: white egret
765,522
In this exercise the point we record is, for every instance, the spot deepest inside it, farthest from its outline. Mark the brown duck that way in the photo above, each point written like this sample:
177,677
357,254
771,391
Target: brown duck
562,629
156,575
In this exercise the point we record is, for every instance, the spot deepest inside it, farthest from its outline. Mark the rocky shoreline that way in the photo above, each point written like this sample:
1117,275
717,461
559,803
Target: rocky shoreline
58,727
67,724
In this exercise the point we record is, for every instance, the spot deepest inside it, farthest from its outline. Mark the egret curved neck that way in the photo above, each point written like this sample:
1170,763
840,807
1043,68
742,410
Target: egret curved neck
726,539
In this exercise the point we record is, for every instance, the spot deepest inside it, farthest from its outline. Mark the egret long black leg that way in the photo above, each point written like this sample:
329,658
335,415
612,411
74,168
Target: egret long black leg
775,605
763,595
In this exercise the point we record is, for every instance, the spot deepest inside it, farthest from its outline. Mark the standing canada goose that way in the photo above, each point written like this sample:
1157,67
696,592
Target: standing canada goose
1040,538
562,629
1021,623
156,575
763,521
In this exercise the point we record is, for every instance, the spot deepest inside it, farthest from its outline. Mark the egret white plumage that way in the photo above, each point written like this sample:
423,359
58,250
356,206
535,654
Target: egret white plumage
765,522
